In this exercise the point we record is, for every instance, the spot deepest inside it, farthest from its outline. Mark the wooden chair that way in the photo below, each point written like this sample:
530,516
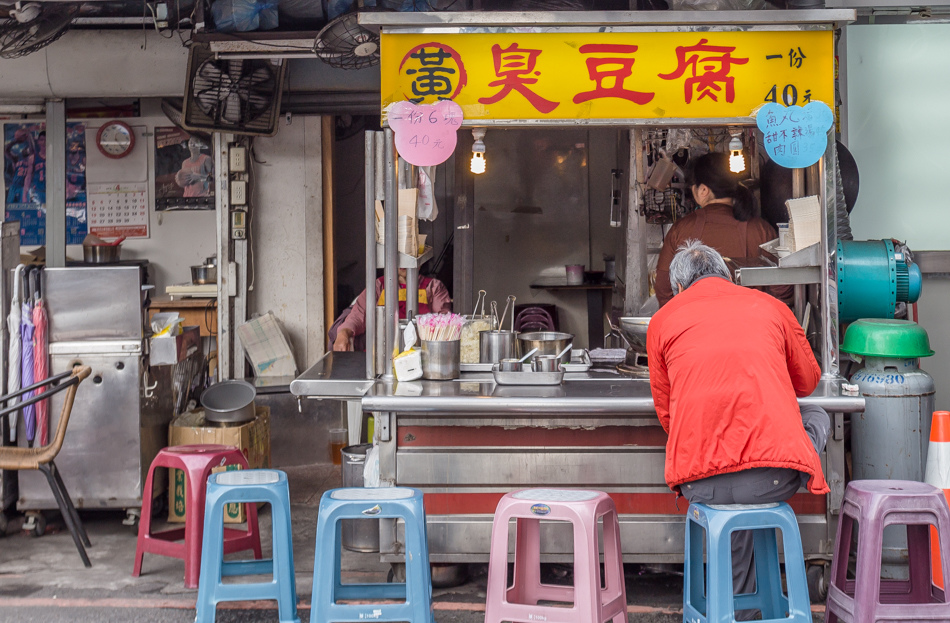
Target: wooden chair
14,458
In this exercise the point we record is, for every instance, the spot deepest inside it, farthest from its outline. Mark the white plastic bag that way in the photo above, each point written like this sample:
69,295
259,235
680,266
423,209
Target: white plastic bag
371,467
426,207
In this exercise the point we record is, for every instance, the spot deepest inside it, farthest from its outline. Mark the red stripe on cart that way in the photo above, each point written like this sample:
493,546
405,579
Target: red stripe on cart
498,436
627,503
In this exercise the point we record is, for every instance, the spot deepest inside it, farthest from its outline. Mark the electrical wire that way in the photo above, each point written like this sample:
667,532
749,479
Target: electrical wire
250,213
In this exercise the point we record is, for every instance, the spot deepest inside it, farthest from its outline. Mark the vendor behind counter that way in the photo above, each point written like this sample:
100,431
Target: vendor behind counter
349,328
727,220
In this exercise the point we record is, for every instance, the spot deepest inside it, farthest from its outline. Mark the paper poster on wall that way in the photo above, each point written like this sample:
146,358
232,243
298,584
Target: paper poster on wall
118,210
184,171
24,174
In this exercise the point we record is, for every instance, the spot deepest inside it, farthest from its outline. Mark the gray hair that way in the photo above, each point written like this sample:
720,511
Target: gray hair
693,261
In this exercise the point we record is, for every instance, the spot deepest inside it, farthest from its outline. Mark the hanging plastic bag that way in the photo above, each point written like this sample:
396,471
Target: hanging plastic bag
244,15
371,468
426,207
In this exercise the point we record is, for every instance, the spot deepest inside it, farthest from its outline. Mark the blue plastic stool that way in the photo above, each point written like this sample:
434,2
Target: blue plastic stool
383,503
716,603
248,485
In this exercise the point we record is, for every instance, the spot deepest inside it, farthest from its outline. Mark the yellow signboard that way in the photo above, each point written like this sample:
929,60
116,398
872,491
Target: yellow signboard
619,75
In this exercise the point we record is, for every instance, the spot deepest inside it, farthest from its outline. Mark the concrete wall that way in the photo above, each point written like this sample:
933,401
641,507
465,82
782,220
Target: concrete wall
287,235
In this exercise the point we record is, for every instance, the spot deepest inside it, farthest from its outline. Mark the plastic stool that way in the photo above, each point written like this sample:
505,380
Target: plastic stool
252,485
590,602
717,603
382,503
867,598
196,461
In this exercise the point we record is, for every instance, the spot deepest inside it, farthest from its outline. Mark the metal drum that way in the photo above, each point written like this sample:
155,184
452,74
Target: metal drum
889,440
359,535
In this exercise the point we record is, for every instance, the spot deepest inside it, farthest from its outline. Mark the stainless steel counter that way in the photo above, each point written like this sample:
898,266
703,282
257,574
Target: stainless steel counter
590,393
335,375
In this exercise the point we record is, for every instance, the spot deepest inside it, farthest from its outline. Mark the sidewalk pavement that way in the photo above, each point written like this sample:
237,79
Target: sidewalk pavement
42,579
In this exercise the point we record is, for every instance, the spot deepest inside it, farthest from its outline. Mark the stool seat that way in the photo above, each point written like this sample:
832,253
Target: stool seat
249,486
328,588
874,505
196,461
589,601
708,593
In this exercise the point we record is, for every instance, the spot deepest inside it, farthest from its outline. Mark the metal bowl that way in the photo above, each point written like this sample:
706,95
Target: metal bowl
547,343
229,402
207,273
100,253
634,330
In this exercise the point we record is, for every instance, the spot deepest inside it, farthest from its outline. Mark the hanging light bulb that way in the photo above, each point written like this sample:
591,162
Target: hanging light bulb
736,159
478,150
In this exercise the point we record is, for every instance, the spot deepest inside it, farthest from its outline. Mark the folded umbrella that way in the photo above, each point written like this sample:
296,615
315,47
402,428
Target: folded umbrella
13,355
40,356
26,365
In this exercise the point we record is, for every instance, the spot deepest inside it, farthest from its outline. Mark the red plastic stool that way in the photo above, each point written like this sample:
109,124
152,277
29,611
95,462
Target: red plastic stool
519,602
196,461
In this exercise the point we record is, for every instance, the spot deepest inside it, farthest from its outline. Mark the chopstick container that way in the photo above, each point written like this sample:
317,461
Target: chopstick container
440,359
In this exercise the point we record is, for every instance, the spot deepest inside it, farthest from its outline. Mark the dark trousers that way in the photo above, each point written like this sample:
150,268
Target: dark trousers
760,485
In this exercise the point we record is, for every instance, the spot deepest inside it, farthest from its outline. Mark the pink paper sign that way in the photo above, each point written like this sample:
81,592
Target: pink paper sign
426,133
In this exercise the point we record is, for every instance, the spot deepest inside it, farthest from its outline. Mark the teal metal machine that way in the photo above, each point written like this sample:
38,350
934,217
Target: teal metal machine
872,278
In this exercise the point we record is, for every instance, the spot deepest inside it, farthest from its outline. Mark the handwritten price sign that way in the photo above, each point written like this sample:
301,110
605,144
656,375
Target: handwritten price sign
796,136
425,134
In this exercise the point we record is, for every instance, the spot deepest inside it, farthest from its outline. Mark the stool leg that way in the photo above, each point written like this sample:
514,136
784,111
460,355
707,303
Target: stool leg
212,557
694,573
613,565
497,589
918,562
586,569
145,523
253,528
282,532
527,573
768,583
719,586
194,524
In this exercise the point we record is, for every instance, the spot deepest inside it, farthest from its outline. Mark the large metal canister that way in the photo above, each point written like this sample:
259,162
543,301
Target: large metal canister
889,440
359,535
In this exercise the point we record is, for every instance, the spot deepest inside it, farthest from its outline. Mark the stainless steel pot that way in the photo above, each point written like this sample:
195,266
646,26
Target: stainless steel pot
229,402
494,346
547,343
200,275
634,331
100,253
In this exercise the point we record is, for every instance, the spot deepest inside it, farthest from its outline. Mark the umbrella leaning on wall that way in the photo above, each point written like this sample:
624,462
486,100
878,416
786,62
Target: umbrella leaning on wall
13,355
40,353
26,359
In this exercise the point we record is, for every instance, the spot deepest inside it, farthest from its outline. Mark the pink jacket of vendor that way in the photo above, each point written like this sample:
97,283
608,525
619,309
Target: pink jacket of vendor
433,297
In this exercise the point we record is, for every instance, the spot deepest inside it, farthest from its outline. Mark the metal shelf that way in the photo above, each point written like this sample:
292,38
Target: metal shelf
405,261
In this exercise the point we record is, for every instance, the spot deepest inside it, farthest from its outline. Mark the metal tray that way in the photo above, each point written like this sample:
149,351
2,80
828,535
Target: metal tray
528,377
580,362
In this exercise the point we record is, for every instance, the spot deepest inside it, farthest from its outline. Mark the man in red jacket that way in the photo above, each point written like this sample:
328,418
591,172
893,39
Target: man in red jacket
726,366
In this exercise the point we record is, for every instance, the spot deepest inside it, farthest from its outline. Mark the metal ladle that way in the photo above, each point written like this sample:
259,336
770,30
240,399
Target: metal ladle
525,358
510,301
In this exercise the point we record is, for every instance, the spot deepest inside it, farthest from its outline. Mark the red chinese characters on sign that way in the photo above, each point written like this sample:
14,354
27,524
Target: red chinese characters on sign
437,72
515,68
710,66
609,72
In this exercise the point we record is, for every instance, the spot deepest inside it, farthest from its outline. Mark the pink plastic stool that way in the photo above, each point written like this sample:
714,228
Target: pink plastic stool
196,461
867,598
519,602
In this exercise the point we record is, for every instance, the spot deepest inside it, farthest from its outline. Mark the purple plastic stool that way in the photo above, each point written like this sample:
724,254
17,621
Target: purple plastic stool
867,598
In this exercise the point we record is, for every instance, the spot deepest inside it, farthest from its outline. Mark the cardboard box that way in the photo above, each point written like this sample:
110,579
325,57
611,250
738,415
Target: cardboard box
253,438
170,349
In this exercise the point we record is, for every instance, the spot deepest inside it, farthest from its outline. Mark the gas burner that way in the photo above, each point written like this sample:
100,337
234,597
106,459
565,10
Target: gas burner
637,372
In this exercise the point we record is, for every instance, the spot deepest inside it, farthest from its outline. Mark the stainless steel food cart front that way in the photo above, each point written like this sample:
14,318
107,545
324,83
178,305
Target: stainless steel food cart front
467,442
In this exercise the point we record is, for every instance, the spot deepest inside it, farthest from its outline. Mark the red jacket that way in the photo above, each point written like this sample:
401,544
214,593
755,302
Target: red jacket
726,364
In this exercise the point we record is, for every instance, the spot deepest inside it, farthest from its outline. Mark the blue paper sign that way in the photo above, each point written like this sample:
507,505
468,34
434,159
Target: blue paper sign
796,136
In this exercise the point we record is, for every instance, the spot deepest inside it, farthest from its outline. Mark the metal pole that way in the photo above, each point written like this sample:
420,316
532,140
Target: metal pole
392,258
369,155
829,247
55,184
